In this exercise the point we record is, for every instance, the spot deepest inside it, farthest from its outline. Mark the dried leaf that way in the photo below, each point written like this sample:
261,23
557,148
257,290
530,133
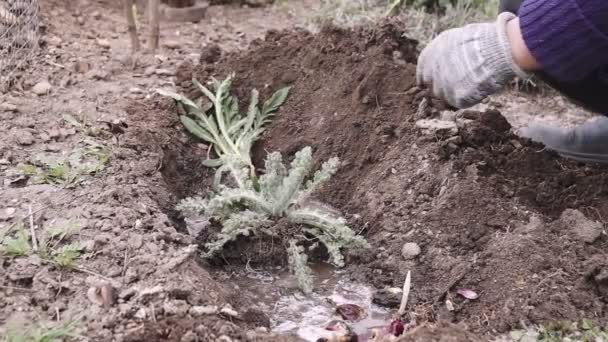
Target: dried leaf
350,312
468,294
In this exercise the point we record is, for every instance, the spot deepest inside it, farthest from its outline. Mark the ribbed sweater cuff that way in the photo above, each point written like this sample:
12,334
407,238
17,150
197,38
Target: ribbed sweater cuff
562,39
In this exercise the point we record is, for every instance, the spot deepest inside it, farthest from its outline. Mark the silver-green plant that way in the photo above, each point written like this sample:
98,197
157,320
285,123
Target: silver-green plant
231,132
248,205
246,210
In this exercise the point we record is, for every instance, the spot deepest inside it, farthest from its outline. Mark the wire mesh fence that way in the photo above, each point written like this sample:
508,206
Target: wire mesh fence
19,20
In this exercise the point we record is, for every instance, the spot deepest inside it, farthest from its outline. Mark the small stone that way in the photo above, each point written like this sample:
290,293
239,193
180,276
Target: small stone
7,214
164,72
176,307
8,107
580,227
439,128
201,310
41,88
150,71
189,336
410,250
135,90
126,294
390,297
227,310
172,44
125,309
54,41
136,241
25,138
82,67
141,314
96,15
104,43
98,75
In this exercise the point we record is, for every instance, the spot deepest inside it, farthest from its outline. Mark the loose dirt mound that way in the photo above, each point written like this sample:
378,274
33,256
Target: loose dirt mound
483,205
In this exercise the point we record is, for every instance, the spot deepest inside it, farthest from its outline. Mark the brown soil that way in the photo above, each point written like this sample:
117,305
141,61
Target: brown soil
483,205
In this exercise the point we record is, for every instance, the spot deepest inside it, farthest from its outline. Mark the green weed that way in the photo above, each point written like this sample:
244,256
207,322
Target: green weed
42,333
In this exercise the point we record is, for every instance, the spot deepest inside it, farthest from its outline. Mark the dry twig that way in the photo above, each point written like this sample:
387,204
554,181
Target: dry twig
154,26
32,229
132,27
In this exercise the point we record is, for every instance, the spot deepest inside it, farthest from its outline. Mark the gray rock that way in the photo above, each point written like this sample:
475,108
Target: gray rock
41,88
390,297
580,227
8,107
410,250
25,138
202,310
176,307
104,43
439,128
164,72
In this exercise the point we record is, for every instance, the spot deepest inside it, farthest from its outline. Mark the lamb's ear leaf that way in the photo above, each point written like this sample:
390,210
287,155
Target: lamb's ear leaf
196,129
275,101
212,162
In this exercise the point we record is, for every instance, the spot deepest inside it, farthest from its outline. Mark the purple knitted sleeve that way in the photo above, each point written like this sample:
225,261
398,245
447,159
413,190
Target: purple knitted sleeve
569,38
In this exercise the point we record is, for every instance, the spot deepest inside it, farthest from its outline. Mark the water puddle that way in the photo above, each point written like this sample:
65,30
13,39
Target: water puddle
275,293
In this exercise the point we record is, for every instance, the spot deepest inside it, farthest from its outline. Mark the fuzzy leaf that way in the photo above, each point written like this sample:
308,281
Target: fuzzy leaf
298,265
212,162
291,184
242,223
196,129
275,101
271,180
177,97
253,112
204,90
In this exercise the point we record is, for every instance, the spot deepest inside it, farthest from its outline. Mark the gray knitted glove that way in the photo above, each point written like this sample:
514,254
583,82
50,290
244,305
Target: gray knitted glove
465,65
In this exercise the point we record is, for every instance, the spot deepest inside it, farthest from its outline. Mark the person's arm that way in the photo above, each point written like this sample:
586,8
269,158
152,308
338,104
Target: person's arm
568,38
521,54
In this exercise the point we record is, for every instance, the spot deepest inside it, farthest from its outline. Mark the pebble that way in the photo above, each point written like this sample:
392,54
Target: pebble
172,44
55,41
98,75
41,88
410,250
389,297
104,43
229,311
164,72
7,214
176,307
437,127
8,107
135,90
25,138
150,71
201,310
82,67
141,314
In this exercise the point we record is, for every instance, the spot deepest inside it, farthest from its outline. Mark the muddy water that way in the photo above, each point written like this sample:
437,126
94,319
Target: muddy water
291,312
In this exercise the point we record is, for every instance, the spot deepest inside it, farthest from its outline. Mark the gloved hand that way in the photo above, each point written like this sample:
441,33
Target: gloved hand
465,65
586,143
